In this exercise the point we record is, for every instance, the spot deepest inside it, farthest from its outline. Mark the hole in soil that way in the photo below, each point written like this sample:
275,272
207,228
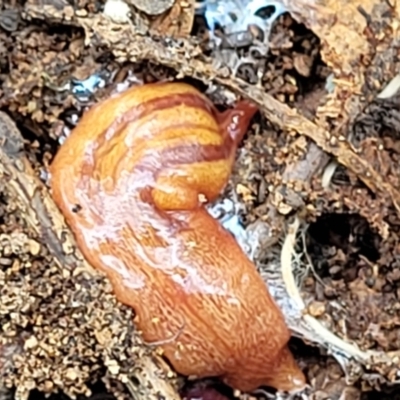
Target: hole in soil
206,389
99,392
345,237
306,66
393,394
360,292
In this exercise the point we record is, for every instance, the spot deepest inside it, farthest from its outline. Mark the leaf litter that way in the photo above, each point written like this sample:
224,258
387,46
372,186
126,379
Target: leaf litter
314,198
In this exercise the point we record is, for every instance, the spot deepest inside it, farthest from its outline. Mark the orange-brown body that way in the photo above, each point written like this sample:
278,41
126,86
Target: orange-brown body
130,181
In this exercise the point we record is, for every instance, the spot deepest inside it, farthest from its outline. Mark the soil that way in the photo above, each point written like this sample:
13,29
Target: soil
348,250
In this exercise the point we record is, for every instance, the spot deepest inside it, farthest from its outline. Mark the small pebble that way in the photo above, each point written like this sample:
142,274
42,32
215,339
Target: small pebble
31,343
34,247
316,308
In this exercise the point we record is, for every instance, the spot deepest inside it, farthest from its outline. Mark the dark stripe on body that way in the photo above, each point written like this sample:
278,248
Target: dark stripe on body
144,109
